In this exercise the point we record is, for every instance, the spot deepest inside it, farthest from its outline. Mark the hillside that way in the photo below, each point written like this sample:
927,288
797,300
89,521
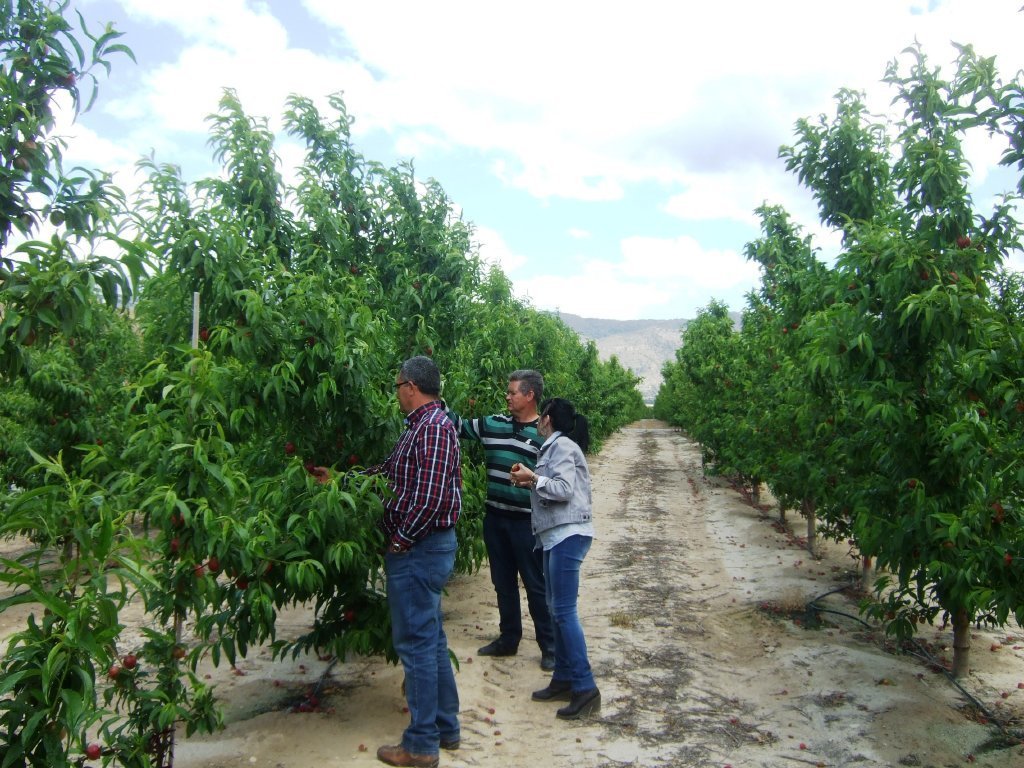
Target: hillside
643,346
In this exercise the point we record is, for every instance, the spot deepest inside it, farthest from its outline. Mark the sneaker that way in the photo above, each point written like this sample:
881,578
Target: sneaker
557,690
581,703
498,648
400,756
547,662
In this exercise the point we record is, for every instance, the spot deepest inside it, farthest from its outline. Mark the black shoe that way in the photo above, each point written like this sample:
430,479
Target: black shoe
451,744
547,662
581,703
557,690
498,648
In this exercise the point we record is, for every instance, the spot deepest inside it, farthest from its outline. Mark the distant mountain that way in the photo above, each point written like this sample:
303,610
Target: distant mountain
643,346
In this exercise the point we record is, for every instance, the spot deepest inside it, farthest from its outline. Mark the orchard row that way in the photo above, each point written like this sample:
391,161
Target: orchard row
883,395
173,363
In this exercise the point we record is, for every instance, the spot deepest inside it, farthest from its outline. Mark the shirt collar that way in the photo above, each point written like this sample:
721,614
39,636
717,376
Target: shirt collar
551,437
414,416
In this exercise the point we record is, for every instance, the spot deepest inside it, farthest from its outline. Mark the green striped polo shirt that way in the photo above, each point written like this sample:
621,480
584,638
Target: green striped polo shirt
505,442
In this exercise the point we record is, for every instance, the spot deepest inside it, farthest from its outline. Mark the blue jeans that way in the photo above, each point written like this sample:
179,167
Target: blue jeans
415,580
562,574
511,554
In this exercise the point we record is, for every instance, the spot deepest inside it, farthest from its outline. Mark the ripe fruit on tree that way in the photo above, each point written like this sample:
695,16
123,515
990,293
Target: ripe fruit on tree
353,459
130,661
350,615
113,672
963,242
213,564
93,751
998,513
204,334
289,448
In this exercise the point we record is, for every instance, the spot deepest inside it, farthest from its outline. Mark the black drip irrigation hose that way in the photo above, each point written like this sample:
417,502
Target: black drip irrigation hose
323,677
813,604
925,656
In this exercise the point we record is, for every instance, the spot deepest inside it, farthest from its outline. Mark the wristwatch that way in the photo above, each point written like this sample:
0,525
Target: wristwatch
395,547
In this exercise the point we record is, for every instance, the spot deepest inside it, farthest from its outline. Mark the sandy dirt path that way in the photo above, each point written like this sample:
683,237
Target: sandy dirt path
691,599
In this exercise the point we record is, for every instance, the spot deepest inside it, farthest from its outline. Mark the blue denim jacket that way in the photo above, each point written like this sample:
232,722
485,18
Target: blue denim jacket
562,494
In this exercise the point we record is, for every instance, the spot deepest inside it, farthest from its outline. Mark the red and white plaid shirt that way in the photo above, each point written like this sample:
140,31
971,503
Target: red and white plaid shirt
425,474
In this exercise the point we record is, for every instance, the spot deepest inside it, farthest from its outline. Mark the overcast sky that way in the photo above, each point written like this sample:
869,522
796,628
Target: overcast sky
609,155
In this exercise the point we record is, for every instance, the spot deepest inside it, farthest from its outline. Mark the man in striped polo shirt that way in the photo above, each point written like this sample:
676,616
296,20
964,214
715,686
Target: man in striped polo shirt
507,440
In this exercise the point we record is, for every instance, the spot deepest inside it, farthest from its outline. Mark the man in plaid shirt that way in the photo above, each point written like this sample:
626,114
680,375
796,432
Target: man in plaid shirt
419,523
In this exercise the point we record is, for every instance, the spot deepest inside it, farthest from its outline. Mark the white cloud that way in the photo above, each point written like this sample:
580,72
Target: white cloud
573,99
598,291
494,250
570,92
579,234
655,277
683,259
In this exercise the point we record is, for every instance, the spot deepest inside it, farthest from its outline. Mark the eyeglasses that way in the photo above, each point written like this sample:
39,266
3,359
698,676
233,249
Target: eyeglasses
399,384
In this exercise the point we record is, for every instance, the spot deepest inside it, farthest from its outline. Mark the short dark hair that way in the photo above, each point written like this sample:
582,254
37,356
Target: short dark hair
423,372
564,419
529,381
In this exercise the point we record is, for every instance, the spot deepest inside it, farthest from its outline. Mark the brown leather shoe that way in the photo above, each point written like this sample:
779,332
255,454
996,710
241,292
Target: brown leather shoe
399,755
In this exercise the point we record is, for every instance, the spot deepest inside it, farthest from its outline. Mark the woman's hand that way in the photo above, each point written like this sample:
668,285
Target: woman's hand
520,476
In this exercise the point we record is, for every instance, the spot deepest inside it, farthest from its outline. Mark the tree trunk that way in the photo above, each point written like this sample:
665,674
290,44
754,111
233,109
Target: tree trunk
807,509
961,644
866,573
755,491
782,513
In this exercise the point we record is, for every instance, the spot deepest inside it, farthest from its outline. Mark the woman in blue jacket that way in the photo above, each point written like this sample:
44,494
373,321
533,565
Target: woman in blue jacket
563,526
